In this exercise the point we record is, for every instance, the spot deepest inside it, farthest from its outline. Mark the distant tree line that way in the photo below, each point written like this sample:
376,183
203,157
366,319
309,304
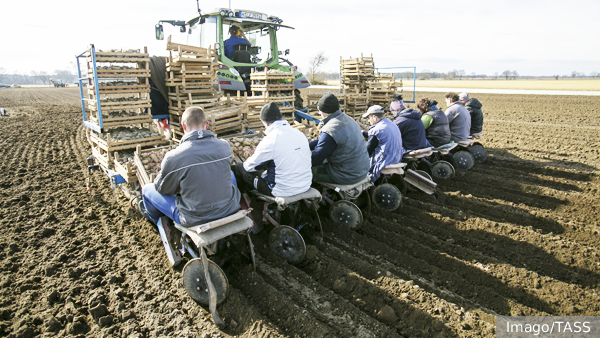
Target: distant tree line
37,77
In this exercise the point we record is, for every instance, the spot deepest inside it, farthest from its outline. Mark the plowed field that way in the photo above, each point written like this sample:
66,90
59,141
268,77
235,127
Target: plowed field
516,235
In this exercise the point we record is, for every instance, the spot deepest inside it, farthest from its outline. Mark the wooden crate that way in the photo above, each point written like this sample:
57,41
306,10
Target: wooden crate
142,176
110,146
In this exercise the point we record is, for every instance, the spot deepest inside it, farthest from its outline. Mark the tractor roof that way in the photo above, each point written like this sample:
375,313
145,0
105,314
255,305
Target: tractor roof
247,20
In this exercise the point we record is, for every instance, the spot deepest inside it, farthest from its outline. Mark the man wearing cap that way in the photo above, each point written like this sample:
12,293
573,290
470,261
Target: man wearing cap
459,118
285,155
341,143
235,39
384,143
411,128
474,107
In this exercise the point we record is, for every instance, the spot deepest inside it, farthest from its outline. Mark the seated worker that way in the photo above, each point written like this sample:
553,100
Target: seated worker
411,128
194,185
435,122
384,143
474,107
397,103
237,38
283,152
340,154
459,118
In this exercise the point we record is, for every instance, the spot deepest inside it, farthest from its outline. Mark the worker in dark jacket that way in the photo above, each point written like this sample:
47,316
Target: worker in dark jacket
435,123
411,128
384,143
474,107
194,185
341,143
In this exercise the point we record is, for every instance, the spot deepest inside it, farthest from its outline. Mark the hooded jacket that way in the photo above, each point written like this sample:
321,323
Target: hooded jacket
412,129
474,107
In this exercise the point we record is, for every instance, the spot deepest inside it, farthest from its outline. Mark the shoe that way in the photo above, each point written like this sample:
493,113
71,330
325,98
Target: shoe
142,209
171,240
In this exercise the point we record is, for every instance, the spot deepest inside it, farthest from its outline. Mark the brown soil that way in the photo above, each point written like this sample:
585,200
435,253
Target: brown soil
516,235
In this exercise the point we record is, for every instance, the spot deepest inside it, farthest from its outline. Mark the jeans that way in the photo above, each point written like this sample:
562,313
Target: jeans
158,205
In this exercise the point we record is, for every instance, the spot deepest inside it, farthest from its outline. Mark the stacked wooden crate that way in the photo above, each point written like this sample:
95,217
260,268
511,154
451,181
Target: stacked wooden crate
192,81
357,103
355,72
270,86
118,113
123,93
382,88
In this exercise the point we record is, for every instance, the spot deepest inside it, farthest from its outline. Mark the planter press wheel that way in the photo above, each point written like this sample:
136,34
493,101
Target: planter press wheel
346,213
287,243
478,153
448,158
387,197
195,282
443,170
464,160
424,174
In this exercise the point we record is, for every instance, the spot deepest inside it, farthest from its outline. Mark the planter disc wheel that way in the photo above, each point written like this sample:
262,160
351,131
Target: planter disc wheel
478,153
464,160
387,197
346,213
287,243
448,158
424,174
443,170
195,283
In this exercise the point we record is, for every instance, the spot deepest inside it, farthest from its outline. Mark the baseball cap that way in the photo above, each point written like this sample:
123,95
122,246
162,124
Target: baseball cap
463,96
376,109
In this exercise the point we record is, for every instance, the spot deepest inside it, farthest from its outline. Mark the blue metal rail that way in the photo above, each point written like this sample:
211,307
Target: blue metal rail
100,127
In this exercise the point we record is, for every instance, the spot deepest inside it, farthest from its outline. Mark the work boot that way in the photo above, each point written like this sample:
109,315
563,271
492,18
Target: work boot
172,239
142,209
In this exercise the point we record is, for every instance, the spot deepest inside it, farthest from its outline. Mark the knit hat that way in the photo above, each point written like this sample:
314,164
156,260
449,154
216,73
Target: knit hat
397,106
376,109
463,96
328,104
397,97
270,112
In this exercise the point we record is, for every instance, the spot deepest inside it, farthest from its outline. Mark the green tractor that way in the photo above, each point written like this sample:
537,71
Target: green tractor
258,50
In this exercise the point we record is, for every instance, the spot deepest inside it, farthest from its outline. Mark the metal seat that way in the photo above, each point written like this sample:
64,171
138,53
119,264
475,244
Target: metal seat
418,154
446,148
283,202
465,143
394,169
349,191
476,135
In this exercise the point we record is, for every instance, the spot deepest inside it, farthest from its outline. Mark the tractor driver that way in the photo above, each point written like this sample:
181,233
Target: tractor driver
384,143
341,143
285,155
194,185
237,38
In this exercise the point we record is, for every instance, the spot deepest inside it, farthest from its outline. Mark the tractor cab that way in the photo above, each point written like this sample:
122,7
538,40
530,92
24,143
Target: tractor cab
244,40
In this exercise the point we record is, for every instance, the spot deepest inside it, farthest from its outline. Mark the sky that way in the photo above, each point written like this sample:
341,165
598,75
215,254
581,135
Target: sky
537,38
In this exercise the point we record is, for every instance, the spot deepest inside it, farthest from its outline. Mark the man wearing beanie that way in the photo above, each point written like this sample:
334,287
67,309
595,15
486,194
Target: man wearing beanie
285,155
340,143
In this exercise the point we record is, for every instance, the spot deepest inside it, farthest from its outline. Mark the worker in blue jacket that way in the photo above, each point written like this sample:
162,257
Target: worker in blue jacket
384,143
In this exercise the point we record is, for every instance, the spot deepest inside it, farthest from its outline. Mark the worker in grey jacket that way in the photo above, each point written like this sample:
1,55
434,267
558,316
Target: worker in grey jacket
194,185
340,154
459,118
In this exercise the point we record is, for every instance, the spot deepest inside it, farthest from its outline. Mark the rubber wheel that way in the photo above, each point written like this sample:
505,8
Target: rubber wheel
195,283
442,170
448,158
287,243
464,160
346,213
478,153
387,197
